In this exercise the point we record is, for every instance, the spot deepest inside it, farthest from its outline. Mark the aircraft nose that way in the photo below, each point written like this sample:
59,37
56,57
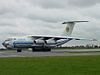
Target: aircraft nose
5,44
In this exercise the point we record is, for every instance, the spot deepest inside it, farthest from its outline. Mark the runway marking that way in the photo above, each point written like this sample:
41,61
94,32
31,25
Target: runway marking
1,52
52,53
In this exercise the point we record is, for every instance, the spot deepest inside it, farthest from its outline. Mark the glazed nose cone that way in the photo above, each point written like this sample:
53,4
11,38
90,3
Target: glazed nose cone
5,44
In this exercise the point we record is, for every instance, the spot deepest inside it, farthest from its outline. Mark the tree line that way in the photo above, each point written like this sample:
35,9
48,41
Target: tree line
88,46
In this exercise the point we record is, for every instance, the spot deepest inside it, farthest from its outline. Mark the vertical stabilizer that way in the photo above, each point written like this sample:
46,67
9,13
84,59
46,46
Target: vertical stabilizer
69,28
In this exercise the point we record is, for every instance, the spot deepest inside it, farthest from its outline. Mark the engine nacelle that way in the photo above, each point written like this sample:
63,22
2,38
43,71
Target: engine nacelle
47,42
39,41
50,42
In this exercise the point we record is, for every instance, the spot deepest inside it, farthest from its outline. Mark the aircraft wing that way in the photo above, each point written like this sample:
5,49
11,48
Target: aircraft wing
59,37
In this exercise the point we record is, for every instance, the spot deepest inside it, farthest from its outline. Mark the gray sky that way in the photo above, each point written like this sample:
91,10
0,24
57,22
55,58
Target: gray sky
23,17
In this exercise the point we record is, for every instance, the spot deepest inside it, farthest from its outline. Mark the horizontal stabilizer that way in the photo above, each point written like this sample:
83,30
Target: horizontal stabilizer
69,27
84,39
73,22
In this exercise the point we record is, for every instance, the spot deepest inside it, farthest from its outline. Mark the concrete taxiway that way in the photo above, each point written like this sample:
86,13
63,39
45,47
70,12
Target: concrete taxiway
78,52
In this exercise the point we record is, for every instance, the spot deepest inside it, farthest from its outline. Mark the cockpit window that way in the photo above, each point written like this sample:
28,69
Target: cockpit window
9,39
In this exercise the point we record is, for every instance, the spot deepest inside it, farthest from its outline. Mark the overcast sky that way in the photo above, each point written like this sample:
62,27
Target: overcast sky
24,17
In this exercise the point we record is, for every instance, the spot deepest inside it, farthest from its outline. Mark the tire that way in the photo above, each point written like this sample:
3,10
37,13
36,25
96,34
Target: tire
19,50
47,49
41,49
33,49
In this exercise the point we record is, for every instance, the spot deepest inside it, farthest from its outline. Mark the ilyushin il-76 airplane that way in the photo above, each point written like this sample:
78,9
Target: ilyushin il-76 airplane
42,42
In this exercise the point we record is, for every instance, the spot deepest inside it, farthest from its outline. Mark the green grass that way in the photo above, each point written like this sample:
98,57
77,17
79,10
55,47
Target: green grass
79,65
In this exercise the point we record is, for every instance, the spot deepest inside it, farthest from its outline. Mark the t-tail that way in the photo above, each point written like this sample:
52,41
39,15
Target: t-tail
69,28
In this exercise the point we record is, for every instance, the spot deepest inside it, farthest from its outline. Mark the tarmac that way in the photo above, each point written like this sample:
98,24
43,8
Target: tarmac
64,52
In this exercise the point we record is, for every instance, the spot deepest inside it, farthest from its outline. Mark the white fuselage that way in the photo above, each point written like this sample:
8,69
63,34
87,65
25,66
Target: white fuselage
28,42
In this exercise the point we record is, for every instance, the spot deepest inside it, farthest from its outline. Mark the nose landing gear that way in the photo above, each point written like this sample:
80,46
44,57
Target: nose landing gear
19,50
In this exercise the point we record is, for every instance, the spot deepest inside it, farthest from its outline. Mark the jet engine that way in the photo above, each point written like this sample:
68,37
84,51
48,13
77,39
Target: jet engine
49,42
39,41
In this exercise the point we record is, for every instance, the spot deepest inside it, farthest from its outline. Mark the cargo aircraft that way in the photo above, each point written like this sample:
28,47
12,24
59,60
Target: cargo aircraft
42,42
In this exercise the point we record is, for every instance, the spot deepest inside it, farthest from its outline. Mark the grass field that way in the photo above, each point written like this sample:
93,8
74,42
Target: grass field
81,65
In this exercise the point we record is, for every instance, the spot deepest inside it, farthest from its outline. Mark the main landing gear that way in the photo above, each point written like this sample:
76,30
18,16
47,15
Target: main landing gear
19,50
37,50
41,49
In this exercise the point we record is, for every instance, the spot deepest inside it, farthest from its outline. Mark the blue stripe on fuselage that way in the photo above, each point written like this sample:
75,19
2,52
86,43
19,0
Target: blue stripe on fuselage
23,43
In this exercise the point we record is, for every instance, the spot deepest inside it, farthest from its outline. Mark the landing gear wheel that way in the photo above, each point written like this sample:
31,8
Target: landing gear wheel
48,49
33,49
19,50
41,49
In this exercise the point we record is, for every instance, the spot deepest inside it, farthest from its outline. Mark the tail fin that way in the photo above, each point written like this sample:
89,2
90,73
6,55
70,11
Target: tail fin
69,28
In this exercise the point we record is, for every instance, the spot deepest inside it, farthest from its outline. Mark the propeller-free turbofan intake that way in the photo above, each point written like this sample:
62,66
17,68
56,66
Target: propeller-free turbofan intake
47,42
39,41
50,42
